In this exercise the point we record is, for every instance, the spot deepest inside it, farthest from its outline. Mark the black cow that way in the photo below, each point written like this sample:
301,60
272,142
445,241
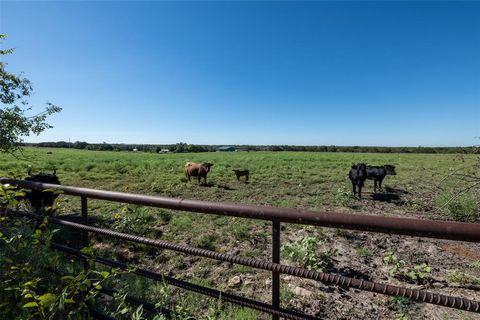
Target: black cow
358,175
242,173
42,200
378,173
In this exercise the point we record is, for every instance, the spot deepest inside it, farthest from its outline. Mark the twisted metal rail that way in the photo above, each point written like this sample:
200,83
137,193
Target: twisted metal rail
253,304
327,278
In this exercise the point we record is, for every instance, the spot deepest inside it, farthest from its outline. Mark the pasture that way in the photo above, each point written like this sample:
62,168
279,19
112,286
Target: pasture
315,181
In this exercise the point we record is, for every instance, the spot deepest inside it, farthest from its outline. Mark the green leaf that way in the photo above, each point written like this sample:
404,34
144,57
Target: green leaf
105,274
30,305
38,233
87,250
47,299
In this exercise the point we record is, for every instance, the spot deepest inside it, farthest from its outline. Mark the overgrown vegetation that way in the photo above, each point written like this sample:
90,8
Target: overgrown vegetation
306,252
463,208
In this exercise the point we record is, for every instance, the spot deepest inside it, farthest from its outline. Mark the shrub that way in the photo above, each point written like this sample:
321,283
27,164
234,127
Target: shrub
134,220
304,252
463,208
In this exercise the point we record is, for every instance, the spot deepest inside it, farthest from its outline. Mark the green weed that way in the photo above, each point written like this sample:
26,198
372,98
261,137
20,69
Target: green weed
304,251
418,273
463,208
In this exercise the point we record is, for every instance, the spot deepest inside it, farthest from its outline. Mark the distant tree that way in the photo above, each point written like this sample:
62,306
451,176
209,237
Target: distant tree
80,145
15,122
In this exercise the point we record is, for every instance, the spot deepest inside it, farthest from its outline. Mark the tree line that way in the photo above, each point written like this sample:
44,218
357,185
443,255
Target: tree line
184,147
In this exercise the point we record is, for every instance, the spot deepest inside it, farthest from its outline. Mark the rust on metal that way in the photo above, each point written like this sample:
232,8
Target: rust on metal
327,278
402,226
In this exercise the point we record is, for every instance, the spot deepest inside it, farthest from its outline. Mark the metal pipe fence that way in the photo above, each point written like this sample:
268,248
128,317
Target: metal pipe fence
402,226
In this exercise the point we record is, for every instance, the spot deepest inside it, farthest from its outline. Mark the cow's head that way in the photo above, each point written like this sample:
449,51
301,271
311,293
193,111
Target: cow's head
206,166
361,166
389,169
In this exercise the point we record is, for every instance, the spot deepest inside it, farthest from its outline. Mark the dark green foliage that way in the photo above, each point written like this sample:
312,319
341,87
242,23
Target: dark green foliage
194,148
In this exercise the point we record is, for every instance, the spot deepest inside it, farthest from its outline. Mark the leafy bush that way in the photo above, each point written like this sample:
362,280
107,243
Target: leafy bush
10,196
26,291
304,252
134,220
463,208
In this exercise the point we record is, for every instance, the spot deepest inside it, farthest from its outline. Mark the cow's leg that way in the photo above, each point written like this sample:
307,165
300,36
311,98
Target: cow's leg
380,183
246,178
238,177
353,187
360,192
205,179
199,179
375,186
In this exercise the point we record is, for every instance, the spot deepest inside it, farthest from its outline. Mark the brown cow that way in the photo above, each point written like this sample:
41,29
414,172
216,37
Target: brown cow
197,170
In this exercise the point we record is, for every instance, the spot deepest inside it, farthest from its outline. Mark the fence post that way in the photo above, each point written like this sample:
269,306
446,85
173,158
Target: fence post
275,259
85,241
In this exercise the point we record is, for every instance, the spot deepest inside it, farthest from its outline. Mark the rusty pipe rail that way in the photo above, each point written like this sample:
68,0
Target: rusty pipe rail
327,278
392,225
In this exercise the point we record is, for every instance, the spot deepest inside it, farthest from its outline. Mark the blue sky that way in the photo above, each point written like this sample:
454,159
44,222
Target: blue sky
303,73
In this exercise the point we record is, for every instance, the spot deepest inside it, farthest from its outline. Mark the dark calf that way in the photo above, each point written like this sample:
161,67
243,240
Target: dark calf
378,173
242,173
358,175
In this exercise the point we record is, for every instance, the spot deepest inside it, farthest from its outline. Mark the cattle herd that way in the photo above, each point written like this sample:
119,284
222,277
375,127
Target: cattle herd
358,174
361,171
41,200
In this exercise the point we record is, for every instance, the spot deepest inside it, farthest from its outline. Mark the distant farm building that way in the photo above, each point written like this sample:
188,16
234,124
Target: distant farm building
164,151
227,148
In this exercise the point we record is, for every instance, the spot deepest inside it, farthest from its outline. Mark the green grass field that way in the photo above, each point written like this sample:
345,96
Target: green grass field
316,181
284,179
